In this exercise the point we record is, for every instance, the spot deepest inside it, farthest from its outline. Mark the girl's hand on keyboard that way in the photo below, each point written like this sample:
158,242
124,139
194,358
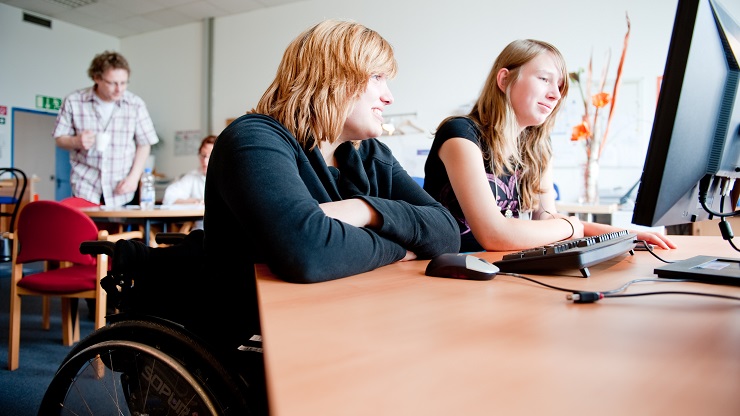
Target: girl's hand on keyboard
657,239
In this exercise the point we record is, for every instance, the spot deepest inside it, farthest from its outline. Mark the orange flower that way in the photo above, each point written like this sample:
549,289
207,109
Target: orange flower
601,99
581,132
586,130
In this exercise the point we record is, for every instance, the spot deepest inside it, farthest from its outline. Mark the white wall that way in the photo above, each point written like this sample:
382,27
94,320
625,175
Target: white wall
36,60
167,72
444,52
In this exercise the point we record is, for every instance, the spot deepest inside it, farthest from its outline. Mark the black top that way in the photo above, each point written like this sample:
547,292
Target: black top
437,183
262,197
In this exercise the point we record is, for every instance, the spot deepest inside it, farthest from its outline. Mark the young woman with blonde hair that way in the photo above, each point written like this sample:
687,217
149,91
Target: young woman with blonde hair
300,184
491,168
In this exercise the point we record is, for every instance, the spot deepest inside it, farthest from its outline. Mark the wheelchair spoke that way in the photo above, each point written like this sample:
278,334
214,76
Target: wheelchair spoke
107,374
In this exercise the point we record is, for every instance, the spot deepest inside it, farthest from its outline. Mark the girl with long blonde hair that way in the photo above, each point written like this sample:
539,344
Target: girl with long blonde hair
492,167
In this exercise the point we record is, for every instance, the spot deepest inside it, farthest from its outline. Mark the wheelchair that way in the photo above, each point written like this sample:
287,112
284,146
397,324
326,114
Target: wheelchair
146,362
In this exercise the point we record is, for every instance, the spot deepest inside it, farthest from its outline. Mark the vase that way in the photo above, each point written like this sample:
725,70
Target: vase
590,182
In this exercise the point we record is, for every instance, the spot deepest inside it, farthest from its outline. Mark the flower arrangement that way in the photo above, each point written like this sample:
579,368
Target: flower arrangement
588,130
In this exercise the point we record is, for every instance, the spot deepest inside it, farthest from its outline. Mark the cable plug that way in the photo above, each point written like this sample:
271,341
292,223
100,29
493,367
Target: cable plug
726,230
585,297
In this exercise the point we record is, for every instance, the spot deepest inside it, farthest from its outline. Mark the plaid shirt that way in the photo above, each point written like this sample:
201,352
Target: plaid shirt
97,173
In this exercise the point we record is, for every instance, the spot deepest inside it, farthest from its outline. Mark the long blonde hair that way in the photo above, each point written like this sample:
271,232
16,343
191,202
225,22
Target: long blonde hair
505,150
321,74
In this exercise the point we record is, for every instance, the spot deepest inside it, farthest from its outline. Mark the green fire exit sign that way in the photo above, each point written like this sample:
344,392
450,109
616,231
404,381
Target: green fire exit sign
48,103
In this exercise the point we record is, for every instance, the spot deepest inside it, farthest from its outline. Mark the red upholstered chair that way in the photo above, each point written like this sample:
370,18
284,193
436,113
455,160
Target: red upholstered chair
49,231
77,202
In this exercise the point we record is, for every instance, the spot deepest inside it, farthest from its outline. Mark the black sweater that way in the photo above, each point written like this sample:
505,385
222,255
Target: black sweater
263,191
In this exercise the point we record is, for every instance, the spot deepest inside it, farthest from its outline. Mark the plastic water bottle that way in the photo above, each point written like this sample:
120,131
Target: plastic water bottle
146,191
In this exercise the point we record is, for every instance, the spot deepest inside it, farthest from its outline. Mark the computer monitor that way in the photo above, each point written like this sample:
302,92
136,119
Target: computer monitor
695,142
693,157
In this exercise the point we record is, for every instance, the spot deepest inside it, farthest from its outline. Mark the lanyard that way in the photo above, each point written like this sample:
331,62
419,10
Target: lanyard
110,116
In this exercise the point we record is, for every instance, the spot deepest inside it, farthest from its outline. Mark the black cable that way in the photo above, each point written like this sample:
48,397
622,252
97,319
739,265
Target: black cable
519,276
579,296
617,290
716,214
673,292
733,245
703,190
650,250
726,230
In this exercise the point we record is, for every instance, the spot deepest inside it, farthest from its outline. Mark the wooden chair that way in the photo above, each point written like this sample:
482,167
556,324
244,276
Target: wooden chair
14,184
51,232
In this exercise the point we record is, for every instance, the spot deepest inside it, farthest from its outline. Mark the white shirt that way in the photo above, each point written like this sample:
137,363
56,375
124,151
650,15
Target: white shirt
105,110
190,185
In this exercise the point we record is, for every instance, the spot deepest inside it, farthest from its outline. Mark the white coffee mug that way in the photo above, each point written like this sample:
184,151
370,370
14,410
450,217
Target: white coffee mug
102,140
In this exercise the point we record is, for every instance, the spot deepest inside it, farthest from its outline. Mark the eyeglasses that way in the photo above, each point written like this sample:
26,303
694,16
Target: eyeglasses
120,84
203,156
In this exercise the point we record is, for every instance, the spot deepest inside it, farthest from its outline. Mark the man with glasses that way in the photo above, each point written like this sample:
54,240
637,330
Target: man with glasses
108,132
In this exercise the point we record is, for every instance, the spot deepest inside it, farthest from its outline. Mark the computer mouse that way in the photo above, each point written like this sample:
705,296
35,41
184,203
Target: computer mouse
461,266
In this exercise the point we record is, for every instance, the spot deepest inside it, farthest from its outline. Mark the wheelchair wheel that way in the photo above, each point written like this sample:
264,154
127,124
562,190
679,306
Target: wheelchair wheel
142,368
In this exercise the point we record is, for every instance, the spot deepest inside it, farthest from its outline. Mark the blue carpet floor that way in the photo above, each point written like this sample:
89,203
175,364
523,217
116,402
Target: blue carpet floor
41,351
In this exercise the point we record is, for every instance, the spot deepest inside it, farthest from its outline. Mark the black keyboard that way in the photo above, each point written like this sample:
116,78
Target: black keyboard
578,253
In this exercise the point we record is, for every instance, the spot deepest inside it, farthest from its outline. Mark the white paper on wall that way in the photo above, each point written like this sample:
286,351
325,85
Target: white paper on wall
411,151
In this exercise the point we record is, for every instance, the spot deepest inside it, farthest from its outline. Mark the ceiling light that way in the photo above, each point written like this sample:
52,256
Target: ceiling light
73,4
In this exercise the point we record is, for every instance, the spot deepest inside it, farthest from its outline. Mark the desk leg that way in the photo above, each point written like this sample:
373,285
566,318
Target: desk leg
147,230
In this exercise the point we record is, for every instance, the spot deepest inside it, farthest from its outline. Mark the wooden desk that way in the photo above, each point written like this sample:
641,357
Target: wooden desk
132,214
396,342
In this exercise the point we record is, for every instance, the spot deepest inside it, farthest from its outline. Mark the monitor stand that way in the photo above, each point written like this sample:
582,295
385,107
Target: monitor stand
706,269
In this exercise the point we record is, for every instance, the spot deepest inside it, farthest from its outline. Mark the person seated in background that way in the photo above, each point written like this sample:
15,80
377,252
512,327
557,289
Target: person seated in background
190,188
491,168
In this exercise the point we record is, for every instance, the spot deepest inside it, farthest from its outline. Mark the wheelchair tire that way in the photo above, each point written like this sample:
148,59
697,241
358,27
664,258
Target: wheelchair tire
142,367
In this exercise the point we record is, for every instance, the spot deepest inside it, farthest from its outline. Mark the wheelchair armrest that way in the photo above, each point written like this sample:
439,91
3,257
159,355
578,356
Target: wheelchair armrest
170,238
97,247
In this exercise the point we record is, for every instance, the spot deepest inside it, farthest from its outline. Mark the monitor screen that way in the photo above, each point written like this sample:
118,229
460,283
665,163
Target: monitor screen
694,150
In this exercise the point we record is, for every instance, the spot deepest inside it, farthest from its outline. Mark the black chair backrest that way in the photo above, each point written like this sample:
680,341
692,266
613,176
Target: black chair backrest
17,181
18,186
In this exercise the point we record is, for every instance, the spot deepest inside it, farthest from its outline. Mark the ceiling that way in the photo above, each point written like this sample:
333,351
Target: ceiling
122,18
